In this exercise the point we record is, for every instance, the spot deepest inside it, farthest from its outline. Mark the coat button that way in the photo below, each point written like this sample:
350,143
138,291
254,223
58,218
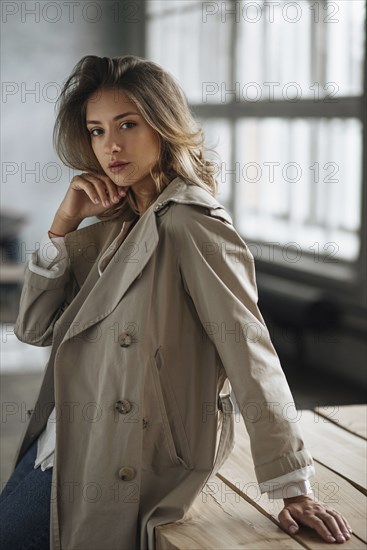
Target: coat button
123,406
127,473
124,340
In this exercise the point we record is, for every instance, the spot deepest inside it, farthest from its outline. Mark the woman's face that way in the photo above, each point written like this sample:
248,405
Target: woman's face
118,132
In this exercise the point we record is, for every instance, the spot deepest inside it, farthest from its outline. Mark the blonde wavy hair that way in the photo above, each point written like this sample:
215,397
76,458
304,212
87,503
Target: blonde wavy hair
162,103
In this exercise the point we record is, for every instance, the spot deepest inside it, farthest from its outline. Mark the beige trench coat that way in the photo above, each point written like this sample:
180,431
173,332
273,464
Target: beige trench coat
139,357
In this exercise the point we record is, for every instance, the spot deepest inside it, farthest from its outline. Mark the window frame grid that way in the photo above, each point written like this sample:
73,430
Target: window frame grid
349,276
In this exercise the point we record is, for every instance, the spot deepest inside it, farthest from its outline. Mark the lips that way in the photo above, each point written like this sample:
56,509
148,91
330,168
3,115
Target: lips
118,166
117,163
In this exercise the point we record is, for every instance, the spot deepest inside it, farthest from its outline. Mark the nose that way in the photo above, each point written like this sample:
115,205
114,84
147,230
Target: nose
111,145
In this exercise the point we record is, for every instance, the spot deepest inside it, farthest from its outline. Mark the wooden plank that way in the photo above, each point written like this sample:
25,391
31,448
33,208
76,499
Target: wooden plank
231,504
328,487
350,417
336,448
221,519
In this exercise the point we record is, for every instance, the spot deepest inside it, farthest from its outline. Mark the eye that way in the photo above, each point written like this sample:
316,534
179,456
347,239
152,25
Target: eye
94,130
133,124
128,125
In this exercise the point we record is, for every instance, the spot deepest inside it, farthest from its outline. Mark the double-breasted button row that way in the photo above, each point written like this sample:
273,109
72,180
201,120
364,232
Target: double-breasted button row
127,473
125,339
123,406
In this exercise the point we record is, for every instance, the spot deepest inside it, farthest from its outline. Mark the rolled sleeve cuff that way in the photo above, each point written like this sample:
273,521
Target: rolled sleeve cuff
51,258
289,485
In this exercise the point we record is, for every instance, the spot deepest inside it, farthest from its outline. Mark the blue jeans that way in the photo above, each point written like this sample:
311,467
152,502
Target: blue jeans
25,506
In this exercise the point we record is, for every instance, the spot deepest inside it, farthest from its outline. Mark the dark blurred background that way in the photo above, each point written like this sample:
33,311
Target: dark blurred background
280,89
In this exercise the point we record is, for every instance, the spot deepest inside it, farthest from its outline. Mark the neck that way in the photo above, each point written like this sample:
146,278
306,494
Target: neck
143,193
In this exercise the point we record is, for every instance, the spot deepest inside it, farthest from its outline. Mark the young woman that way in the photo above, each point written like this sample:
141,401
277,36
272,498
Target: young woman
152,317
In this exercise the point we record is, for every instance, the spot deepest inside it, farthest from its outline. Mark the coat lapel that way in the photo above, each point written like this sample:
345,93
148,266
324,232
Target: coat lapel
100,294
87,244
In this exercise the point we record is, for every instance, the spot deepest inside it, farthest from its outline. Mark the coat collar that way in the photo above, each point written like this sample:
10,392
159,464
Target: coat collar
95,300
180,191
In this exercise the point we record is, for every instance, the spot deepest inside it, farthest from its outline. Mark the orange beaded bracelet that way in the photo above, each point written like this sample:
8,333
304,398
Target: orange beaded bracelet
55,234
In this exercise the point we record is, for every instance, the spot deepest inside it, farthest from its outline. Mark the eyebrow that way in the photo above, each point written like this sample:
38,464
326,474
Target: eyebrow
115,118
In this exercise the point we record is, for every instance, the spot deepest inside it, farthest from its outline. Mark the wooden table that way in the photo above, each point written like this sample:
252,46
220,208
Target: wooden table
230,513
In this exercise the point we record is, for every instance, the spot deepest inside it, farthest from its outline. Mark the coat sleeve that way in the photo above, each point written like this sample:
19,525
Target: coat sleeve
218,273
48,288
51,259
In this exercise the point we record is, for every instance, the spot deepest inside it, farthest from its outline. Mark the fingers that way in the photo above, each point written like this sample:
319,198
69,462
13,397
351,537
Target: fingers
101,189
328,523
287,522
113,191
336,523
328,528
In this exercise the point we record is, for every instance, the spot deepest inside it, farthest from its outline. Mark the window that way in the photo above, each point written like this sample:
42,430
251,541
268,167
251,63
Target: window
278,87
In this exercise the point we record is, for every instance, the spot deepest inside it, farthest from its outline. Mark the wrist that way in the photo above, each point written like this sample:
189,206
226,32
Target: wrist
52,234
61,226
298,498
